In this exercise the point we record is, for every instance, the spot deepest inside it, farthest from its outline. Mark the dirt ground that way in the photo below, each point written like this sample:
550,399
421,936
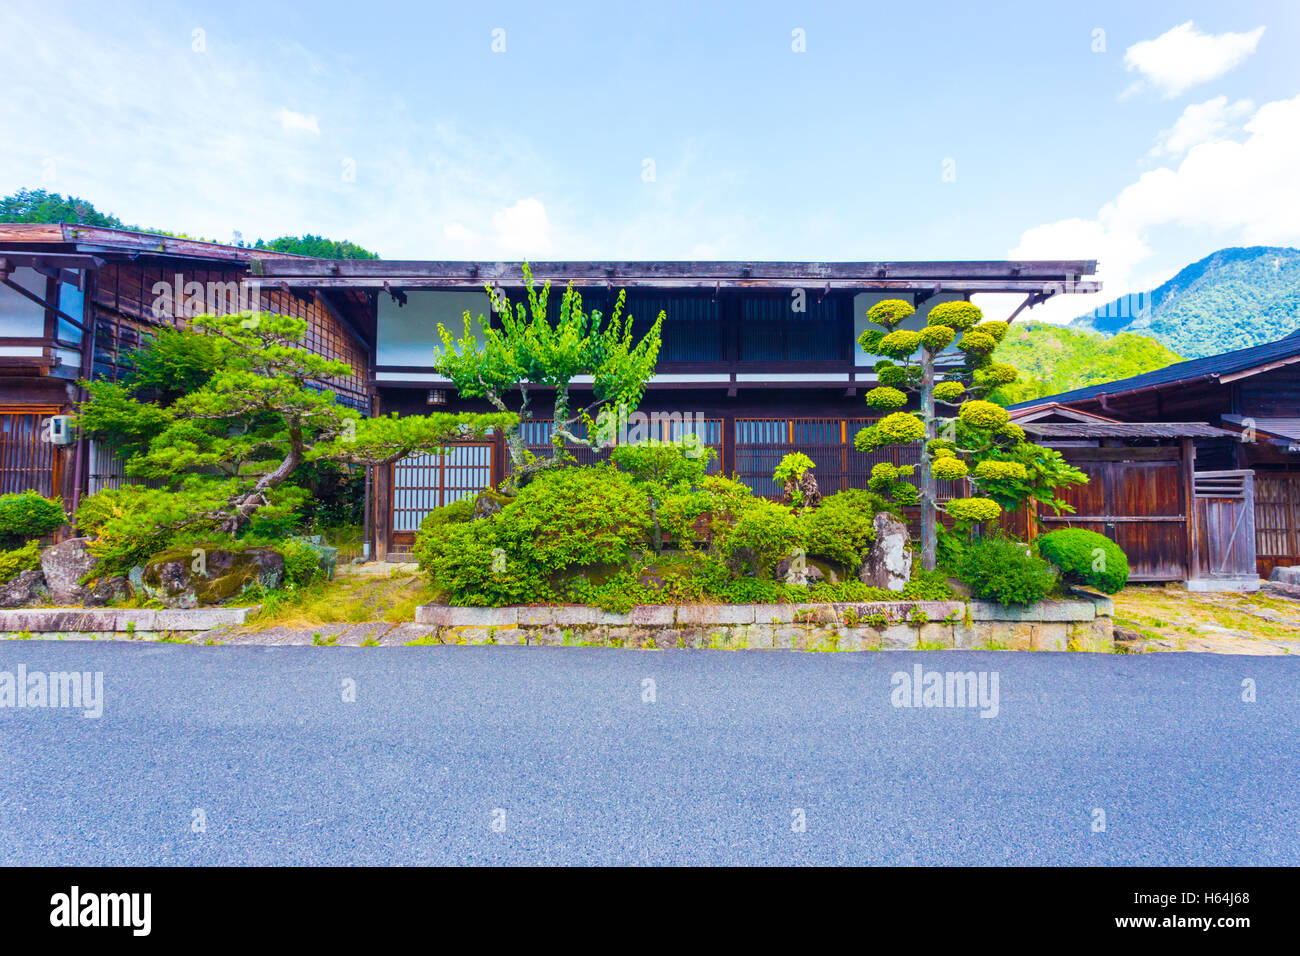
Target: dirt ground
1171,618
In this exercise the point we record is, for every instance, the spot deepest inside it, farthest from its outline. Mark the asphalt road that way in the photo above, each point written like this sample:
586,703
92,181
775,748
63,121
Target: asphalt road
250,755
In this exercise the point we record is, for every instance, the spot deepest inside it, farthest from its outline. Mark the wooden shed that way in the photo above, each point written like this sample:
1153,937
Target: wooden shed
1145,494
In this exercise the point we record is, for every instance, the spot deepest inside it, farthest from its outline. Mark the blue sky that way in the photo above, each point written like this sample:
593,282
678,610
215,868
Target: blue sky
674,130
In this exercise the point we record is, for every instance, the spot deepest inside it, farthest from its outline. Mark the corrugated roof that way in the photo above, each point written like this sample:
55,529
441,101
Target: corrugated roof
1210,366
1124,430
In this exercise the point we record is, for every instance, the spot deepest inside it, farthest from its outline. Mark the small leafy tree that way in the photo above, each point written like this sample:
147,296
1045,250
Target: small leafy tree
663,468
977,441
226,448
530,349
798,485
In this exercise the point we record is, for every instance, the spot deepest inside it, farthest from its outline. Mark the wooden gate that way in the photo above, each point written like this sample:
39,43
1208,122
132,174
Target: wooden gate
1138,498
1225,520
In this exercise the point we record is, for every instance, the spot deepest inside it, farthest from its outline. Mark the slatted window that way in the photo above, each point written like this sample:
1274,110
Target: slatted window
536,433
28,461
1277,517
692,330
761,443
772,331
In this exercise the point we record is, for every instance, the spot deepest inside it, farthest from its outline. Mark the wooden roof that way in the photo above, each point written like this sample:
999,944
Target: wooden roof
1102,429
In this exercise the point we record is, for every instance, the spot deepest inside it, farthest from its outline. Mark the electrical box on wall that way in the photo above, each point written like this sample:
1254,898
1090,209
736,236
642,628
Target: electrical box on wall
61,430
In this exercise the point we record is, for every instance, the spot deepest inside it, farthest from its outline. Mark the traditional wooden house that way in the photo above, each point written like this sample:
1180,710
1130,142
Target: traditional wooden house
74,300
1250,399
759,358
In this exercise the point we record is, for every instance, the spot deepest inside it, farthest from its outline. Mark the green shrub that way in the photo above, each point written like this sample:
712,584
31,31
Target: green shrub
468,562
842,528
1086,557
722,499
1002,570
132,523
26,558
563,519
664,463
573,517
435,523
799,487
301,562
619,593
764,533
27,515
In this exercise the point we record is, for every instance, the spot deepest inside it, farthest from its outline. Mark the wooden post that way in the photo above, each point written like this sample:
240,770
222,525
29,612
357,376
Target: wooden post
1189,484
929,489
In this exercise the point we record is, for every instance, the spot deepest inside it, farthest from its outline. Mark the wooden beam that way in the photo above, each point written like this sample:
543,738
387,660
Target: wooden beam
643,282
1189,494
1247,373
1032,272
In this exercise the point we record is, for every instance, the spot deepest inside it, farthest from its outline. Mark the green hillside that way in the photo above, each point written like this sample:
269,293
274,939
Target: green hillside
1232,299
38,205
1055,358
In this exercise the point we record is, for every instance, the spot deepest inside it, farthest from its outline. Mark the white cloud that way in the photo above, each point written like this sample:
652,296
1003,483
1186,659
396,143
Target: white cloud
1240,192
523,228
298,121
457,232
1201,123
1184,57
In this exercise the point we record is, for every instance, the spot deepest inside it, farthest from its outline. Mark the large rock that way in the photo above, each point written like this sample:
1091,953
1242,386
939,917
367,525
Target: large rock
25,589
889,563
802,573
182,579
488,503
1289,576
64,565
109,590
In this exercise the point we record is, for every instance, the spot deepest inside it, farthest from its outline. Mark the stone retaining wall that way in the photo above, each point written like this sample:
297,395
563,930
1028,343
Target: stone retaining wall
1084,624
113,624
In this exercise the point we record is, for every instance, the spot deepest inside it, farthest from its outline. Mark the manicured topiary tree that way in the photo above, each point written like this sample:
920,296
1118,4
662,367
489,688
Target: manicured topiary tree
1086,557
962,435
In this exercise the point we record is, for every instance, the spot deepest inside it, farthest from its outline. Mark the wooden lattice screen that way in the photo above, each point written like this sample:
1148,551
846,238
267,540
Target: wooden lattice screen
28,460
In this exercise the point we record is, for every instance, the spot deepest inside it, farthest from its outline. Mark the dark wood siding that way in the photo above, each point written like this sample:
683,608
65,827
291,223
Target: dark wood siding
1137,497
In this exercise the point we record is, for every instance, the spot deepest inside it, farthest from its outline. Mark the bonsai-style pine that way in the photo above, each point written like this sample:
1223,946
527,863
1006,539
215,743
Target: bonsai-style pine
255,410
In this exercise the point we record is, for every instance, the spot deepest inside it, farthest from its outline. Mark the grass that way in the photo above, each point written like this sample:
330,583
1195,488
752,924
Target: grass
348,599
1176,615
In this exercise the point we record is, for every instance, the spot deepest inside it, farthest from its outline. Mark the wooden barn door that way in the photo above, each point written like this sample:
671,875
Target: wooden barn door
1138,498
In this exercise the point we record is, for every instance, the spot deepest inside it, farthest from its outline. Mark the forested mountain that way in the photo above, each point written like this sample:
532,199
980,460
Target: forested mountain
37,205
1232,299
1055,358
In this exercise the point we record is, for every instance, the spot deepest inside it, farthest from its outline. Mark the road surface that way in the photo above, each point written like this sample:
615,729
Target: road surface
486,755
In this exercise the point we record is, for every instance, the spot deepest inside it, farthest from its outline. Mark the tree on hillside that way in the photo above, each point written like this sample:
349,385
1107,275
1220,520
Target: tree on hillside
979,442
317,246
227,448
528,348
37,205
1053,358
